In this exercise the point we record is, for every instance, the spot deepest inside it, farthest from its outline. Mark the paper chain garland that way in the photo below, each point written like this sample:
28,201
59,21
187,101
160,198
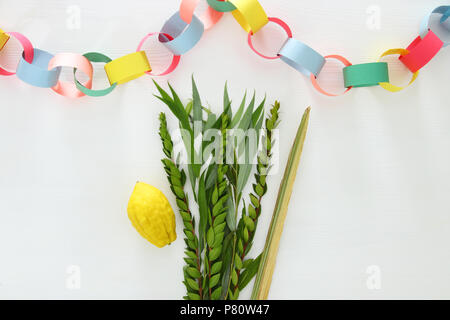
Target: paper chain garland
184,29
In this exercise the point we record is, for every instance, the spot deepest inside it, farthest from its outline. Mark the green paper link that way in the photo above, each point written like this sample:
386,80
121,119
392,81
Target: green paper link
366,74
94,57
221,6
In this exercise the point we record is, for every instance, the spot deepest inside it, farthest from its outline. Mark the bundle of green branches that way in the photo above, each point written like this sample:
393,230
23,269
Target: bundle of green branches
217,262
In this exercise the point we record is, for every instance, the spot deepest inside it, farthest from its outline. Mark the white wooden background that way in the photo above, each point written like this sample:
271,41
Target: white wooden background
370,214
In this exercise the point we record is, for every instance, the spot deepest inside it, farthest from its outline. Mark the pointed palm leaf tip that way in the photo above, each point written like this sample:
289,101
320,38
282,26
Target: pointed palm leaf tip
265,272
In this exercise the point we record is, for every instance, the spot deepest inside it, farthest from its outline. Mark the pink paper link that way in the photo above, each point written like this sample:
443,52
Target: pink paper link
175,59
73,60
209,18
28,51
282,24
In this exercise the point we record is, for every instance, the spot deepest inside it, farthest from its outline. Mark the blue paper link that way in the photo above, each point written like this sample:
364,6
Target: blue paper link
37,73
185,36
444,22
445,15
302,57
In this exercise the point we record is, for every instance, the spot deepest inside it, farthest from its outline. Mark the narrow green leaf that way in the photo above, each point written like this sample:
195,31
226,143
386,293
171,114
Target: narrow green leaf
203,210
209,122
258,112
247,263
227,257
250,271
247,117
174,105
231,216
227,103
189,107
240,111
196,102
244,174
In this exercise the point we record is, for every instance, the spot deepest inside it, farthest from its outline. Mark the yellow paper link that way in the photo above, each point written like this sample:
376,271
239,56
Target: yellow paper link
388,86
249,14
127,68
4,37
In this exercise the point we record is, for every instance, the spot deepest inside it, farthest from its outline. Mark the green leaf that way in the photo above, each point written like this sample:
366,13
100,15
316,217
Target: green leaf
190,262
211,176
203,210
193,296
175,106
218,239
219,219
249,223
250,271
189,107
227,103
215,196
247,117
251,212
245,234
216,267
227,257
247,263
215,253
238,262
196,102
231,216
179,192
258,189
258,114
220,227
189,234
244,174
238,115
191,254
214,280
185,215
192,284
193,272
254,200
210,237
234,277
209,122
218,208
215,295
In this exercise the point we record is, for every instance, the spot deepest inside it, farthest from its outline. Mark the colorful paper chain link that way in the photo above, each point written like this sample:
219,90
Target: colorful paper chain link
183,30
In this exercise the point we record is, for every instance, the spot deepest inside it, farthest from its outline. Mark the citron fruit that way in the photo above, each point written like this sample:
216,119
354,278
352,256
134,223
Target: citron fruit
151,215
